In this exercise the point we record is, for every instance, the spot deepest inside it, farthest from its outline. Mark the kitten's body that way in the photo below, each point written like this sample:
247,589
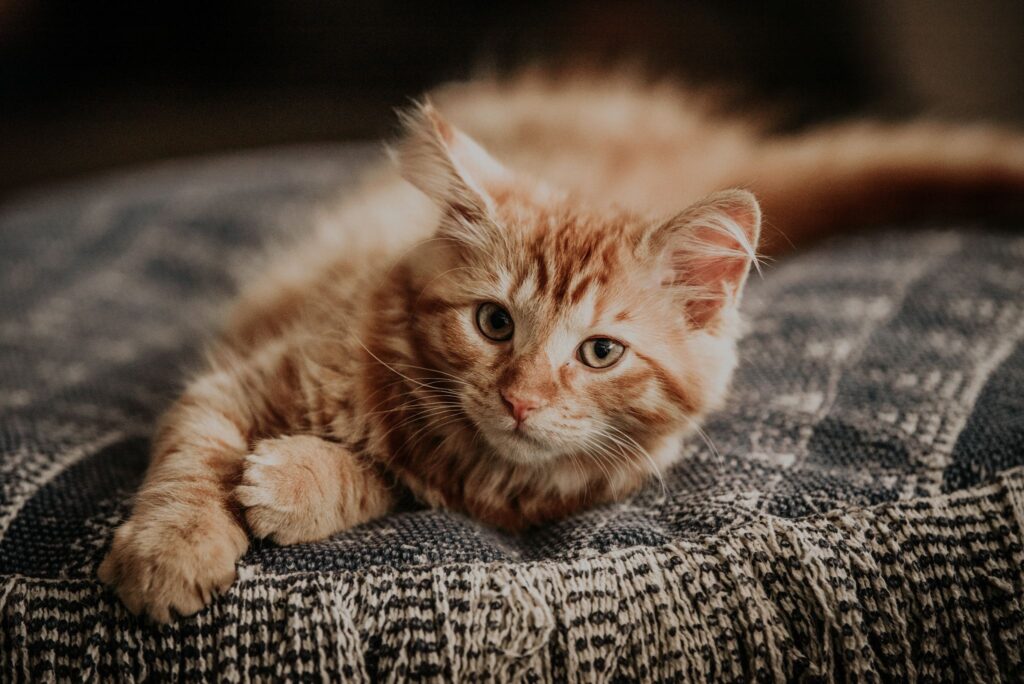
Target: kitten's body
352,371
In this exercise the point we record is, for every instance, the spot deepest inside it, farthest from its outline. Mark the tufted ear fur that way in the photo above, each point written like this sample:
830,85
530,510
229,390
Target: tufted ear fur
706,252
448,166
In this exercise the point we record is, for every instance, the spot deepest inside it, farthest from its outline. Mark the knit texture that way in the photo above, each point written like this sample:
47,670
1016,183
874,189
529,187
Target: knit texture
854,514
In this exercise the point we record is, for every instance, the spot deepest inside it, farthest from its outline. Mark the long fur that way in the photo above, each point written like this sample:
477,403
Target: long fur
354,370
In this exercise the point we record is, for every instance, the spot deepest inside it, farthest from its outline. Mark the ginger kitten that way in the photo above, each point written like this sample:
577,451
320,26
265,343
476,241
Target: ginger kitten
496,345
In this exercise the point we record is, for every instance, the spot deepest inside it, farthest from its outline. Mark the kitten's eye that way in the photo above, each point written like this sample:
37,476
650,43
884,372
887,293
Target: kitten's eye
494,322
601,352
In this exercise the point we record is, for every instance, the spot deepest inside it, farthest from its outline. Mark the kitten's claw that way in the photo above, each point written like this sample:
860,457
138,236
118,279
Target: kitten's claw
166,568
290,490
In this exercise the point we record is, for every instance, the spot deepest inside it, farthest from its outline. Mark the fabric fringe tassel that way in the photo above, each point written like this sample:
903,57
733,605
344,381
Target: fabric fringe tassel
927,589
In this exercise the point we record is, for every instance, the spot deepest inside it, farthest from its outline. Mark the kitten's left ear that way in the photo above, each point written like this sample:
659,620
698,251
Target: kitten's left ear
707,251
447,165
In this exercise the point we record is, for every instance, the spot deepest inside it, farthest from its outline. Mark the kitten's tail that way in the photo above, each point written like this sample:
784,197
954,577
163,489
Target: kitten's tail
826,180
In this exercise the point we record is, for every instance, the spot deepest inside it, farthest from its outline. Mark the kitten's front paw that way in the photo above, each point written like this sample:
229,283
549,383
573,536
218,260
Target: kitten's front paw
290,489
160,566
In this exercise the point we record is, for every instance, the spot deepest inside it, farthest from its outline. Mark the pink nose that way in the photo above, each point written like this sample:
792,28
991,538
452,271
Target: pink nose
519,405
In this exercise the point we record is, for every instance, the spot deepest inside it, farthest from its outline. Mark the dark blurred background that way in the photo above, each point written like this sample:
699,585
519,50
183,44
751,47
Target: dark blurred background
86,86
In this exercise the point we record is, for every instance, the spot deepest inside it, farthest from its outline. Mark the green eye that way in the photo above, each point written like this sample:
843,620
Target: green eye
601,352
494,322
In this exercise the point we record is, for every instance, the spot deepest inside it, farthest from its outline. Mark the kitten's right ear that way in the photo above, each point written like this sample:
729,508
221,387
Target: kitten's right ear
447,165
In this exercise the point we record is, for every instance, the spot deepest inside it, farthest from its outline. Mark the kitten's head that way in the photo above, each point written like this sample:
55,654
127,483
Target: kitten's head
564,329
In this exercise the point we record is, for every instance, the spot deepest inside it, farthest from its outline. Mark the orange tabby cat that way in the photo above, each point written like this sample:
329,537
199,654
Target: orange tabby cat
516,340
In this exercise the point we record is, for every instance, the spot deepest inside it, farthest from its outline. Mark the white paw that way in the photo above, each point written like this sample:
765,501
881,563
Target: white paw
289,490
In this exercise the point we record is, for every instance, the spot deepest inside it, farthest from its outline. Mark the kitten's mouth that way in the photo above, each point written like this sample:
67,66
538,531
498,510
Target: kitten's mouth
517,434
520,432
523,445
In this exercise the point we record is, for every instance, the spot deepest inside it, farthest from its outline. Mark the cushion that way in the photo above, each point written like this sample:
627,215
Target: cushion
854,513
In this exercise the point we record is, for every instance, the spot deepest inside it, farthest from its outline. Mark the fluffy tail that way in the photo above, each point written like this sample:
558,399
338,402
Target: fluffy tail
826,180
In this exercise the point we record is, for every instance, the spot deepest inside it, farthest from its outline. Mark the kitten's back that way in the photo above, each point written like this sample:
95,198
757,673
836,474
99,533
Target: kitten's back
653,147
657,147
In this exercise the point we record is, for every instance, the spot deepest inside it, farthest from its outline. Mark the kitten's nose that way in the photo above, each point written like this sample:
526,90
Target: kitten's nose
519,405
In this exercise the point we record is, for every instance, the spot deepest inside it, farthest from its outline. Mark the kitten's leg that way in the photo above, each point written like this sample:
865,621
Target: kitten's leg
181,542
185,533
303,488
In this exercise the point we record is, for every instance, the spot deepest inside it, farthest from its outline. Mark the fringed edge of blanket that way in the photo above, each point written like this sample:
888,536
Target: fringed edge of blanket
921,589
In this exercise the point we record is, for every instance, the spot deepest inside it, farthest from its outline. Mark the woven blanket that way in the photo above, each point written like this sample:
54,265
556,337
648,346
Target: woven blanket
854,514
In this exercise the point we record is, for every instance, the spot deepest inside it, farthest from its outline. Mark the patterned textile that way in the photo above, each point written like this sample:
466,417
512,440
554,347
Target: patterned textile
854,514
